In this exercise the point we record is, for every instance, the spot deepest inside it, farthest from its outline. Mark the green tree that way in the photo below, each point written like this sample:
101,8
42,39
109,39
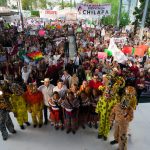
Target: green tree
43,3
3,2
138,13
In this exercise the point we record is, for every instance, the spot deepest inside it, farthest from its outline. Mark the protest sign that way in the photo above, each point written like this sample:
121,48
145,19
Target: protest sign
71,16
102,55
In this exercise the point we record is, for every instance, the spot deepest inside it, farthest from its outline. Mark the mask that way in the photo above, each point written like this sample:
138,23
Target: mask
124,104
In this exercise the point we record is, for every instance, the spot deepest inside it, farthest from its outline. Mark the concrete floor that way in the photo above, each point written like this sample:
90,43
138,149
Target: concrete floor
47,138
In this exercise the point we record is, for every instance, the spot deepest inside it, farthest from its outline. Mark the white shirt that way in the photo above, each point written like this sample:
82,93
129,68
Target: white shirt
47,92
25,75
61,91
76,61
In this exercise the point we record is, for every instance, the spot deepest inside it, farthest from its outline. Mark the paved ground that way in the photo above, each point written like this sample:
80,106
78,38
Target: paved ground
47,138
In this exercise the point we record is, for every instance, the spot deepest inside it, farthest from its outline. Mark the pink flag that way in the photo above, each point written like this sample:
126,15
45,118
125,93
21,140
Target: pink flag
102,55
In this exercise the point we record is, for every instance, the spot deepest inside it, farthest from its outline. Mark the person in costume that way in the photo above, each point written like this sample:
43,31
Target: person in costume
130,94
70,111
109,98
19,105
5,120
34,99
56,111
122,114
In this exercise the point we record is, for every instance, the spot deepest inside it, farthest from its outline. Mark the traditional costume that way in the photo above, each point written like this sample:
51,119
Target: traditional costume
70,109
84,109
34,99
19,105
93,116
130,94
5,120
122,114
56,114
105,104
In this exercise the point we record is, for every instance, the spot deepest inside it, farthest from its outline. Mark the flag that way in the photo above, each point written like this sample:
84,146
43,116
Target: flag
102,55
118,55
35,55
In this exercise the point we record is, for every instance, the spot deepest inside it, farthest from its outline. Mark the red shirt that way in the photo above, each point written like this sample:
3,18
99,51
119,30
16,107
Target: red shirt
134,69
95,85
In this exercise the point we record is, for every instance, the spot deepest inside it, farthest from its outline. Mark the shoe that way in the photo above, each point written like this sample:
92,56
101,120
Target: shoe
113,142
105,138
27,123
4,139
34,126
96,126
99,136
83,127
62,128
56,127
68,131
14,132
40,125
90,125
22,127
74,132
46,122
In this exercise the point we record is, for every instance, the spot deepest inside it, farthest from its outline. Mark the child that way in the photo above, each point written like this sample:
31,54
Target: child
122,114
70,110
56,111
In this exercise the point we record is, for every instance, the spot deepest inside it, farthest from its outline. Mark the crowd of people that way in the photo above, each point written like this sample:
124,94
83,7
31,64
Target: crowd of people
70,92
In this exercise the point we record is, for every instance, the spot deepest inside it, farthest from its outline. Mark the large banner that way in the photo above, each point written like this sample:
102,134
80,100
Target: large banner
94,10
50,14
71,16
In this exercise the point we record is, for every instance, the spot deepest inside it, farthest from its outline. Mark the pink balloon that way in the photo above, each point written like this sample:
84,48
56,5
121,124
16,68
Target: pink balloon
41,32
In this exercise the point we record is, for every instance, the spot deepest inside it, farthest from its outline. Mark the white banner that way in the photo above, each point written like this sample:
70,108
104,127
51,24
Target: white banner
71,16
118,55
94,10
50,14
120,40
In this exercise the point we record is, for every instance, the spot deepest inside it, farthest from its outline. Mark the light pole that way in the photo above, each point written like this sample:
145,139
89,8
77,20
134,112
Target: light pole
143,19
129,6
21,15
119,13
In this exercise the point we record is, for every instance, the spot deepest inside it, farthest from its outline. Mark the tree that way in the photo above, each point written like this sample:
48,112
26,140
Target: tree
138,13
43,3
3,2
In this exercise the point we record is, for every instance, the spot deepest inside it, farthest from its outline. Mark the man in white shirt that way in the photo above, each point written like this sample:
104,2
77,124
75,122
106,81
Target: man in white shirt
61,89
47,90
25,73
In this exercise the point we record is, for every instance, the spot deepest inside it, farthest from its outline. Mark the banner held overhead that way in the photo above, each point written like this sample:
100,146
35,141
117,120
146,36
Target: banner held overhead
94,10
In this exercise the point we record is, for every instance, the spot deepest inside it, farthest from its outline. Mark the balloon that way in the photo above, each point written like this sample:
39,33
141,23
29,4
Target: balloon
127,50
41,32
58,26
109,52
